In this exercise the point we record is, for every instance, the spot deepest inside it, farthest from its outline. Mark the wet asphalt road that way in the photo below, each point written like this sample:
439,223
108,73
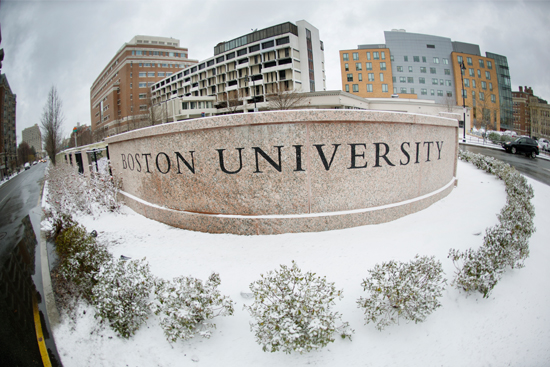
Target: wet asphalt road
21,272
538,168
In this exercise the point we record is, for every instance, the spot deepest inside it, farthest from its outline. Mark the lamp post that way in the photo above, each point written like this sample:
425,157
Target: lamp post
462,70
254,86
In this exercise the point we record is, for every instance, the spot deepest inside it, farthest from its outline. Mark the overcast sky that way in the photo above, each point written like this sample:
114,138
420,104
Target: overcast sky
67,43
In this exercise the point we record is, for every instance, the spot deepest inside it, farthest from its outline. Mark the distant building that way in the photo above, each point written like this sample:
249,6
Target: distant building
33,137
531,114
8,141
245,71
427,67
120,96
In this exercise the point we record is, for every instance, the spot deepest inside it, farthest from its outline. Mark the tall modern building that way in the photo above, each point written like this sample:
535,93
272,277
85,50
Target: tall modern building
504,91
244,71
427,67
8,141
120,96
33,137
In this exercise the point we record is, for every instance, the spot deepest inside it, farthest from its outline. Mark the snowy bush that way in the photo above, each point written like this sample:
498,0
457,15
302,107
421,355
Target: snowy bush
186,305
292,311
507,243
81,258
402,290
121,295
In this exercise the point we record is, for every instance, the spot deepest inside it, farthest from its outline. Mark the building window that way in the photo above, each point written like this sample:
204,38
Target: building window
403,90
489,64
399,68
402,79
416,58
448,83
346,66
142,95
432,92
142,74
410,79
369,65
393,79
481,96
371,77
491,86
423,69
355,88
436,60
347,88
355,55
440,93
382,66
360,77
160,73
383,54
484,85
358,66
464,94
424,91
469,59
471,71
481,63
375,55
410,69
412,90
422,80
447,71
474,94
405,58
350,77
345,56
473,83
381,77
151,74
384,88
487,75
432,71
493,98
441,82
142,85
435,81
478,73
369,88
394,90
424,59
449,93
459,59
368,55
446,61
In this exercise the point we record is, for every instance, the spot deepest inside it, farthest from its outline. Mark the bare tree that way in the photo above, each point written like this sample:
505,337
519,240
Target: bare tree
24,153
286,100
51,123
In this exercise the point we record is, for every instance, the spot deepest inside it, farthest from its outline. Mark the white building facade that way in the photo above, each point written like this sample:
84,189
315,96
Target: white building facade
247,69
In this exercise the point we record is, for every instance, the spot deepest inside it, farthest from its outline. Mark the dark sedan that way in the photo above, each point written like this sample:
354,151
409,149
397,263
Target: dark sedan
524,145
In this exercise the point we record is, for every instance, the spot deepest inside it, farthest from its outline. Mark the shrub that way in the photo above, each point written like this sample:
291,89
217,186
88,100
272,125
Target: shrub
402,290
81,258
292,311
186,305
504,245
121,295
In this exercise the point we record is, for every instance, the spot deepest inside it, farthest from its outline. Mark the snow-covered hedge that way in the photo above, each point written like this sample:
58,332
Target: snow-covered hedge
121,294
507,243
186,305
398,290
292,311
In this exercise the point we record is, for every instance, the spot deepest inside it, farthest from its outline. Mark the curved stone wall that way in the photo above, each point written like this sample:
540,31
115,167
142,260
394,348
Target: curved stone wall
286,171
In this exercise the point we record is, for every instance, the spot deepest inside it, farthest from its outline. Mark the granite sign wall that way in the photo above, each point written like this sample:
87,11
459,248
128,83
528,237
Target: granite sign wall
286,171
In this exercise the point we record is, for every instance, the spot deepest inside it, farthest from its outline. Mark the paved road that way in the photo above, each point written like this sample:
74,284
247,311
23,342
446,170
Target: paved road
538,169
21,272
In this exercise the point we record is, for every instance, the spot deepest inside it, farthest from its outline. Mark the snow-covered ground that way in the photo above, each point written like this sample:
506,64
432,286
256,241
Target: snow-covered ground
510,328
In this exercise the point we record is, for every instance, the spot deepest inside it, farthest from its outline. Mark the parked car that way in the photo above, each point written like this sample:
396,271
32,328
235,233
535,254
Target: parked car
545,144
524,145
27,166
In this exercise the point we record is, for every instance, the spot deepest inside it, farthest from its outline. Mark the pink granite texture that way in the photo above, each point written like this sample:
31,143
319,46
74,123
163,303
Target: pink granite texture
287,171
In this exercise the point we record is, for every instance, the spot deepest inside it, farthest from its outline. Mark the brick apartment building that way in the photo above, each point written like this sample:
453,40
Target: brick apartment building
531,114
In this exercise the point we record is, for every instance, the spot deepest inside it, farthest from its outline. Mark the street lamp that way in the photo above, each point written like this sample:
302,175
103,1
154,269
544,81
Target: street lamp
254,86
462,71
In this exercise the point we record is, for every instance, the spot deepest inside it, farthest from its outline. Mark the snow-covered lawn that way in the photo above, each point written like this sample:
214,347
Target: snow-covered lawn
510,328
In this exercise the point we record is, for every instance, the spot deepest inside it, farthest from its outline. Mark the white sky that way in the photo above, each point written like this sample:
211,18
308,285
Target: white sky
67,43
